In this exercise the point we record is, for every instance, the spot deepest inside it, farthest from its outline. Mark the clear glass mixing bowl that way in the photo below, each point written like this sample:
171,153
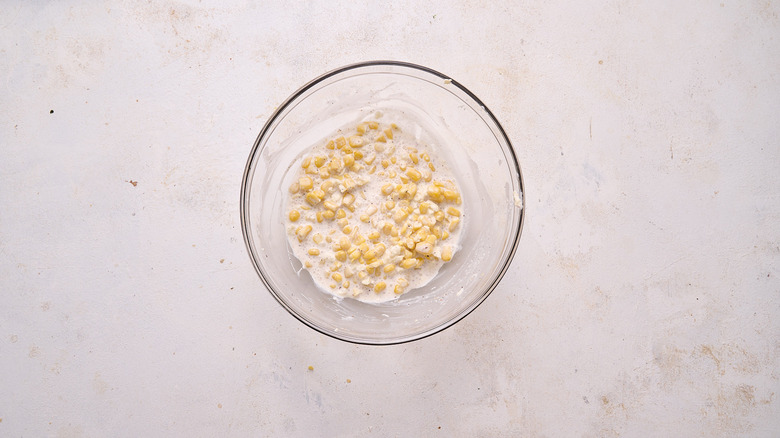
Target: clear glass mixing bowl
466,134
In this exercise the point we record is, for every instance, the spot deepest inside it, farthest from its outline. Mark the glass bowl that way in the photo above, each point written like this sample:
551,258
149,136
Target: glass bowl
462,130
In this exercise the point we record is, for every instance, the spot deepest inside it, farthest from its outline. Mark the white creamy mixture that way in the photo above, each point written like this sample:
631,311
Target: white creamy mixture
373,213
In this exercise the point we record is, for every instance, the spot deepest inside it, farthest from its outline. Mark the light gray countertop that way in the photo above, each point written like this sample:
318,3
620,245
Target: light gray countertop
644,298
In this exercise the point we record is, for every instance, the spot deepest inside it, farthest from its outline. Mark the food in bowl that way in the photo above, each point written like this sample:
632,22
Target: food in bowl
374,212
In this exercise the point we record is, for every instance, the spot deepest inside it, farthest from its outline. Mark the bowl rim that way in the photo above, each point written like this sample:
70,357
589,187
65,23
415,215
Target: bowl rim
255,150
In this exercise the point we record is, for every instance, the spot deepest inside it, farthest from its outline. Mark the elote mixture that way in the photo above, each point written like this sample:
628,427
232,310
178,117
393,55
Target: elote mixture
373,214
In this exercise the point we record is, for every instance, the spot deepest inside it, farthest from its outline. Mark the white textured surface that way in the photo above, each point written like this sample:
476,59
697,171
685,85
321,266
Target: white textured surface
643,300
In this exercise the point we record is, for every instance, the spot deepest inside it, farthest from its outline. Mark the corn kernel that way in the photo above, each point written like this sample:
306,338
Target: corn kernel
336,276
294,215
424,248
409,243
379,287
317,238
374,235
427,175
356,142
430,166
314,251
389,204
349,160
373,125
439,216
341,256
389,133
354,254
330,205
446,253
453,224
387,227
435,193
319,216
381,138
345,284
344,243
335,165
408,263
398,289
305,183
341,142
387,189
430,239
452,211
308,264
414,174
388,268
415,159
319,161
330,145
444,234
361,128
323,172
425,157
294,188
349,198
302,232
399,215
328,214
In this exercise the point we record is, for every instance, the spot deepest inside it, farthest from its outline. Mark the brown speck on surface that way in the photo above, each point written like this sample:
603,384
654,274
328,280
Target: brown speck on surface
222,260
601,62
51,111
134,183
311,368
604,400
349,381
219,405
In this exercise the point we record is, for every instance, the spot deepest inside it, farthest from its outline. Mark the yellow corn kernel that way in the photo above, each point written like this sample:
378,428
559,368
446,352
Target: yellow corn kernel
415,159
349,160
435,194
389,133
393,159
344,243
389,204
354,254
294,188
294,215
414,174
347,229
452,211
305,183
450,195
306,162
314,251
408,263
387,189
424,248
364,218
341,214
446,253
348,199
381,138
323,172
374,235
439,216
319,161
398,289
431,166
362,275
419,263
345,284
388,268
436,231
317,238
444,234
402,166
379,147
348,272
328,214
373,125
361,128
308,264
330,205
363,247
372,170
425,157
356,141
369,159
319,216
341,142
387,227
423,208
341,256
453,224
336,276
430,239
302,232
399,215
379,287
335,165
330,145
358,239
358,155
409,243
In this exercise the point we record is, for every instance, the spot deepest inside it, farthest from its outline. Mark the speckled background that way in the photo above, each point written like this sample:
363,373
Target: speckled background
643,299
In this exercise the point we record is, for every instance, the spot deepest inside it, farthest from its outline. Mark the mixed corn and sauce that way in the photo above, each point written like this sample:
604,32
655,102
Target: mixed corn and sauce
373,214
